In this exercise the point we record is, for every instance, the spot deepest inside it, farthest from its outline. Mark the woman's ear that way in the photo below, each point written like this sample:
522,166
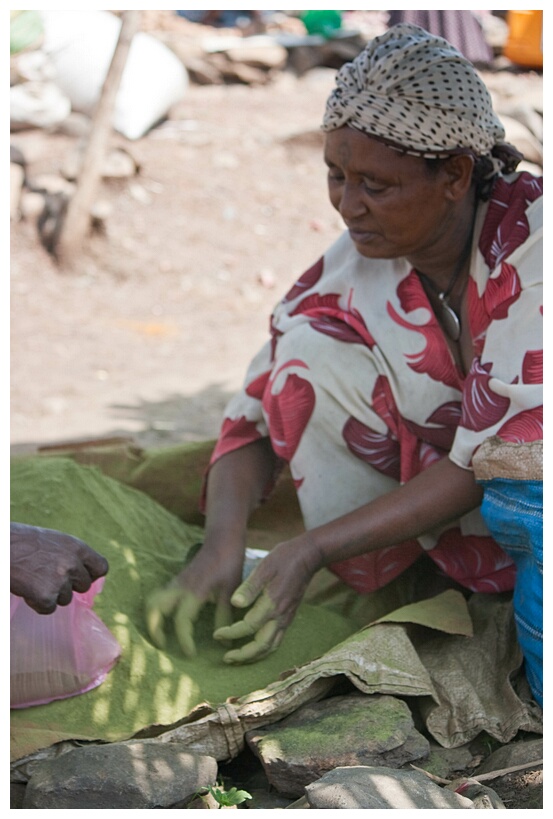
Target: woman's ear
458,171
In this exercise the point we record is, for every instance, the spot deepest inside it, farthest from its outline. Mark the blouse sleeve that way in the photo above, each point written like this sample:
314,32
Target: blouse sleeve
243,421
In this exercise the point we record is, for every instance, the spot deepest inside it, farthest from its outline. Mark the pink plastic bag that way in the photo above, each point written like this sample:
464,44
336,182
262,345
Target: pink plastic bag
58,655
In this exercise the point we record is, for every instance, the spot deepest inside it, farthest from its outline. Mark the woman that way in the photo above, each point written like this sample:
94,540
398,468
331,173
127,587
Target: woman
413,340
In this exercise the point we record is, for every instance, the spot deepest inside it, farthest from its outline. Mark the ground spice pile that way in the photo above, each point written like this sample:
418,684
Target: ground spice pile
145,545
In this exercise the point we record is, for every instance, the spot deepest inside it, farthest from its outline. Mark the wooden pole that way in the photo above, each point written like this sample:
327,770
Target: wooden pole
76,222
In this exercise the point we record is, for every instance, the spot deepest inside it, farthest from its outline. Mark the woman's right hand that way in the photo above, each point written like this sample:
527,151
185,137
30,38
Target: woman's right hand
212,576
235,486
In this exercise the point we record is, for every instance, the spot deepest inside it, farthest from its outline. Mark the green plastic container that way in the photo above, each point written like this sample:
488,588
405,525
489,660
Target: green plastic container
322,22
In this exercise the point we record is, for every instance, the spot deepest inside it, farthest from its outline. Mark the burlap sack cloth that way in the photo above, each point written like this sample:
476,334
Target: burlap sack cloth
454,654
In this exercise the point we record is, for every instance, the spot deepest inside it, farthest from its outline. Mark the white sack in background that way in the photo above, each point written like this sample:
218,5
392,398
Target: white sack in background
80,45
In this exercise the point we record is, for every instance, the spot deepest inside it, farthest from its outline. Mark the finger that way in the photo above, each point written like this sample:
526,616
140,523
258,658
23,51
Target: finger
247,592
158,605
266,641
236,631
44,605
80,578
65,594
262,612
96,565
185,617
223,617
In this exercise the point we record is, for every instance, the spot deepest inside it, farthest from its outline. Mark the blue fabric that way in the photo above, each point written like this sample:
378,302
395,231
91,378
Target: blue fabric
513,511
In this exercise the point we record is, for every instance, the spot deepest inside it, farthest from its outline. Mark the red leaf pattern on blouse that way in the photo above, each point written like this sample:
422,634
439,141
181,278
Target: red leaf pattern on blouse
326,316
379,450
288,411
371,571
502,291
482,407
476,562
506,225
446,420
306,281
526,426
256,388
235,433
431,360
532,367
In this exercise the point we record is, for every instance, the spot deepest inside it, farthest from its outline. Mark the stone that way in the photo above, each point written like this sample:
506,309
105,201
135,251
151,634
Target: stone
516,753
265,57
447,762
53,183
482,797
135,774
519,135
31,204
354,729
17,178
116,164
367,788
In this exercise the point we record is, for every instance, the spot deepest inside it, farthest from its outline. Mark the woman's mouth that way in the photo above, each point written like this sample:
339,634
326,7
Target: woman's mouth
360,236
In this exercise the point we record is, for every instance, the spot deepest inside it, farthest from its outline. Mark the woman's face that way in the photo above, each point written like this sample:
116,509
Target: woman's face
393,205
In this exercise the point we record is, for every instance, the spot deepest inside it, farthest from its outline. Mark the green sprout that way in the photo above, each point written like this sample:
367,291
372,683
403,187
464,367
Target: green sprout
227,799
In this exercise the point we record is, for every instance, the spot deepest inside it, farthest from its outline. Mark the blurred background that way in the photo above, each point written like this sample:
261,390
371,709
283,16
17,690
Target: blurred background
166,189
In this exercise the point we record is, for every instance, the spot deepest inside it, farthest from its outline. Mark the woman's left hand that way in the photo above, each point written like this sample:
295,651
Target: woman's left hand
274,590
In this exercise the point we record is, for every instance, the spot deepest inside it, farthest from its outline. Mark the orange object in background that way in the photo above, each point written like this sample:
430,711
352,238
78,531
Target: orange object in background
524,44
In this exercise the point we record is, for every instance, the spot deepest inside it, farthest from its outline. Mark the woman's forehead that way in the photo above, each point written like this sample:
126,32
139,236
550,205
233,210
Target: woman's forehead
349,147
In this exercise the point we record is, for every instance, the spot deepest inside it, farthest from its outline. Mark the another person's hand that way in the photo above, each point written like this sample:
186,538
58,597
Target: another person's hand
210,577
274,590
47,566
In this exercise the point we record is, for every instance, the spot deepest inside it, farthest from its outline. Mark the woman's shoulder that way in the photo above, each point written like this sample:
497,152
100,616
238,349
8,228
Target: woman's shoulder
517,190
335,269
513,215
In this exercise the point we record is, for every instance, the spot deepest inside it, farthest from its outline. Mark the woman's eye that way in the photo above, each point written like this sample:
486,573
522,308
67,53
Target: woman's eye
373,187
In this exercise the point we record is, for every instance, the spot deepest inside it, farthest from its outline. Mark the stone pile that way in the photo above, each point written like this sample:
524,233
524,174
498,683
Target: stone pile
348,751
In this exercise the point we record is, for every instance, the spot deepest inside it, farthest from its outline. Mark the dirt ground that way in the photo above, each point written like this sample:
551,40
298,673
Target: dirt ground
151,330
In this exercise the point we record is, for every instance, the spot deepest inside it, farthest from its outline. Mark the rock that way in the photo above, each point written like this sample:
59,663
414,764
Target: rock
238,72
266,57
267,800
369,788
516,753
37,105
17,794
31,204
519,135
372,730
447,762
54,184
75,125
17,177
136,774
116,164
527,116
483,797
202,72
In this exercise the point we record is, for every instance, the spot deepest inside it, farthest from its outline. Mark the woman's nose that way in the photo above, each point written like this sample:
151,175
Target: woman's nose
351,202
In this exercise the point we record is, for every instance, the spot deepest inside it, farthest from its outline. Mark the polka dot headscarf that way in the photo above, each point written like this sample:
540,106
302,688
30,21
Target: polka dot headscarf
420,95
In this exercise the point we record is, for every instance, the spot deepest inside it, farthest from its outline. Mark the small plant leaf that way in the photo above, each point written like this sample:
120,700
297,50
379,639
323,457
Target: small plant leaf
230,797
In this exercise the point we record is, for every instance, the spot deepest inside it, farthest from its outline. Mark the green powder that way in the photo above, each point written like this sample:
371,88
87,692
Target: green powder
146,545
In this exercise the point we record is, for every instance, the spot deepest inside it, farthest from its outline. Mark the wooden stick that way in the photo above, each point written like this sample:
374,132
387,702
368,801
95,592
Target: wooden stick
77,218
485,776
504,771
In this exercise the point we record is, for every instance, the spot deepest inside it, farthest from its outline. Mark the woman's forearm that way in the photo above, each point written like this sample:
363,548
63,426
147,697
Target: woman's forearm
235,486
440,494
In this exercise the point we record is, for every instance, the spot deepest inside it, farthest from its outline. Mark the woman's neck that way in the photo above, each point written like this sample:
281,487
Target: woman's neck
445,265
